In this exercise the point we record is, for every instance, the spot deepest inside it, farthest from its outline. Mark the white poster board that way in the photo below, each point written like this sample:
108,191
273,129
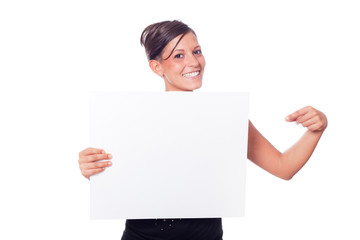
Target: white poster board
175,154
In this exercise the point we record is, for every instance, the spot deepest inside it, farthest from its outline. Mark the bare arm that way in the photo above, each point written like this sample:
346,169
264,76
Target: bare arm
286,165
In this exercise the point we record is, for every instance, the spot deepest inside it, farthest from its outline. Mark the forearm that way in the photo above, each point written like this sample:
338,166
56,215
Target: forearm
286,165
296,156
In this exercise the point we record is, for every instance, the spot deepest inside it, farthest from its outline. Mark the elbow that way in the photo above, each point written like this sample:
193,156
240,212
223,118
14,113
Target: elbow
285,173
286,177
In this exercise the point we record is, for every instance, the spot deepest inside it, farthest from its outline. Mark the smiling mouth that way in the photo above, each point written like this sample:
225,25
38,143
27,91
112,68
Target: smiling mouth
191,74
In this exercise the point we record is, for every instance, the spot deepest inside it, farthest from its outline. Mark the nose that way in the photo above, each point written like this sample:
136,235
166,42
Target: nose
192,61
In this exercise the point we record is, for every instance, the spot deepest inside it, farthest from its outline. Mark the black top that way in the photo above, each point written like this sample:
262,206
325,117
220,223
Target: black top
174,229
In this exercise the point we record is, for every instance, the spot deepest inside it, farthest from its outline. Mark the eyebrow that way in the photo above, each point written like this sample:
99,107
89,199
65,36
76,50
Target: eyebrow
180,49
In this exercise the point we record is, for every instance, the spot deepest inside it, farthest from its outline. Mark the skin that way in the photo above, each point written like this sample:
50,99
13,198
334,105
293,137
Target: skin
187,58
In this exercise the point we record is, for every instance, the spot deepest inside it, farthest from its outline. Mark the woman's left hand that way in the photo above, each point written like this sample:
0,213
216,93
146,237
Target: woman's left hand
309,117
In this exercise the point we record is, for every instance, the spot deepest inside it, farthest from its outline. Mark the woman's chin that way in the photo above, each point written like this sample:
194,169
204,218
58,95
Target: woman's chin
198,86
195,84
189,86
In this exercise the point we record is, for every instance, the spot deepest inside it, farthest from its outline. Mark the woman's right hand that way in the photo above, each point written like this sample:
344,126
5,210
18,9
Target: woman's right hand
88,161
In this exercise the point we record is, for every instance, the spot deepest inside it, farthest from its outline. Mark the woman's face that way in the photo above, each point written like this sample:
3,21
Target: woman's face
184,69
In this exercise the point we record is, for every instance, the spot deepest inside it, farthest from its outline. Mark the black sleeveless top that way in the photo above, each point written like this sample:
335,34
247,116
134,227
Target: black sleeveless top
173,229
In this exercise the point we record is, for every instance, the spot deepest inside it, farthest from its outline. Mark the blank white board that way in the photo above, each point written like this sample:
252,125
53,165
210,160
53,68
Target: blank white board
175,154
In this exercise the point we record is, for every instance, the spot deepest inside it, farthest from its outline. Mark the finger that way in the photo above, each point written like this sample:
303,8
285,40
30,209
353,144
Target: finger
306,117
309,122
315,127
90,151
292,117
95,165
95,157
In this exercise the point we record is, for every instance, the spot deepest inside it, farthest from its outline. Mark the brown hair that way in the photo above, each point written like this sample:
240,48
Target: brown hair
156,36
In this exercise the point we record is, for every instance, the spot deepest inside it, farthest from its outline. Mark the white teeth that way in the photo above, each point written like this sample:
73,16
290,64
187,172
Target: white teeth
192,74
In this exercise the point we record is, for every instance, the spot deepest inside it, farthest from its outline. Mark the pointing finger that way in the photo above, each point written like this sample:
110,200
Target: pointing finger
294,116
306,117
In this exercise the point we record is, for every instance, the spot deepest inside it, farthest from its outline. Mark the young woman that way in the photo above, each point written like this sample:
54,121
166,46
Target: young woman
175,55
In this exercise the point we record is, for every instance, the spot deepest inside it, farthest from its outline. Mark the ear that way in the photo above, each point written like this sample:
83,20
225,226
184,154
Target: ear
156,67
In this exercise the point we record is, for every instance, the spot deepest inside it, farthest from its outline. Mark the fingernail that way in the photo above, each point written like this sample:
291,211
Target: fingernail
109,156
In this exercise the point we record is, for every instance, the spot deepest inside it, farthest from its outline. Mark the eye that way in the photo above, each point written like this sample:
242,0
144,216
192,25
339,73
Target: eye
179,56
197,52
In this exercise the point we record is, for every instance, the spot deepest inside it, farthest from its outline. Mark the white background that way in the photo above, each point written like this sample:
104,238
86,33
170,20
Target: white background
287,54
